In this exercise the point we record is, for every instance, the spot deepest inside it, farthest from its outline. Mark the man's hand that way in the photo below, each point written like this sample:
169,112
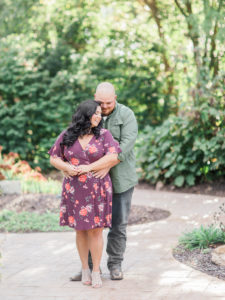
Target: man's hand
101,173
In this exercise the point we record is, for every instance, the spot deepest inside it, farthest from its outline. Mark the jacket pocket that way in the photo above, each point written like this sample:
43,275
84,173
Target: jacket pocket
115,129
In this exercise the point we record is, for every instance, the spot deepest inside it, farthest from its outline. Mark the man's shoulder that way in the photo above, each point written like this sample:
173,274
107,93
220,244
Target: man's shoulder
124,110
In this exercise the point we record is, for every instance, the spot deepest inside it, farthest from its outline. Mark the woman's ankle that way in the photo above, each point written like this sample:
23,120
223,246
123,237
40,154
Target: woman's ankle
85,267
96,269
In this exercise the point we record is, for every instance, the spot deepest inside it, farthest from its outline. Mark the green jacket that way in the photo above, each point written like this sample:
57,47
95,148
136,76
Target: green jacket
123,126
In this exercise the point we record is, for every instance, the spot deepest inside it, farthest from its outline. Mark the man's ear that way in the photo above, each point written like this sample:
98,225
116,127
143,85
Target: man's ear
95,96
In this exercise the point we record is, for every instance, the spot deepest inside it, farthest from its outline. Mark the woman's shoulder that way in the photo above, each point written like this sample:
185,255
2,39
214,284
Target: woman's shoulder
104,131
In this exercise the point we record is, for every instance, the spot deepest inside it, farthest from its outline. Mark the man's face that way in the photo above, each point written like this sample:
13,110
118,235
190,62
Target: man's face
108,102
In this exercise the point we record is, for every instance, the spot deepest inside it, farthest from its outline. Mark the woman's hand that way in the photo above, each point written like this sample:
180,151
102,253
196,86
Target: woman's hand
71,170
81,169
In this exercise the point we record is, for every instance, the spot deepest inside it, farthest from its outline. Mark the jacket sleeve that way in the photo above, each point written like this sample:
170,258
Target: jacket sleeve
129,132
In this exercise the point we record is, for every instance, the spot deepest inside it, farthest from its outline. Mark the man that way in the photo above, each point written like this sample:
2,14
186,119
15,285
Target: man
122,124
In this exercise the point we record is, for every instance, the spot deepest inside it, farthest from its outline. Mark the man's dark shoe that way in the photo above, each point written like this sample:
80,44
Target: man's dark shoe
77,277
116,273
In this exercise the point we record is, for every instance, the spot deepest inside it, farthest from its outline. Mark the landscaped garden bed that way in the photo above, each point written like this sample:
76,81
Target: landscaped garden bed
199,250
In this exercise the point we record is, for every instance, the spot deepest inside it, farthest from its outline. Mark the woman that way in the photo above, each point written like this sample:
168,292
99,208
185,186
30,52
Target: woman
86,203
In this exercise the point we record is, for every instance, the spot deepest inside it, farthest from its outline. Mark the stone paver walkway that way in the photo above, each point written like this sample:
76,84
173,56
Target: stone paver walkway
37,266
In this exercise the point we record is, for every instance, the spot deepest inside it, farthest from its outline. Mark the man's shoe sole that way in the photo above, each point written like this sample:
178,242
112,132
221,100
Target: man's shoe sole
114,277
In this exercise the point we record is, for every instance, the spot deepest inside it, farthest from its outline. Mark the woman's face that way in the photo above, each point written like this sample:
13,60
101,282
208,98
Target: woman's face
96,118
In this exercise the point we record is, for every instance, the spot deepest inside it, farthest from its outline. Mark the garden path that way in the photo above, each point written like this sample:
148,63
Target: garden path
37,266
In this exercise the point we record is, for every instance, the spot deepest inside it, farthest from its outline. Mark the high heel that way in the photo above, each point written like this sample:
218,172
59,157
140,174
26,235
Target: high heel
86,277
96,279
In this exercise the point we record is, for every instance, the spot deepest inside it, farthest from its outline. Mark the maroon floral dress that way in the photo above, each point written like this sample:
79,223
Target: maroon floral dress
86,201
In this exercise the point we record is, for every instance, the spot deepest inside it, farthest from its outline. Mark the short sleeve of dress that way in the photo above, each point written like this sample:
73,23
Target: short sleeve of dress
55,150
110,145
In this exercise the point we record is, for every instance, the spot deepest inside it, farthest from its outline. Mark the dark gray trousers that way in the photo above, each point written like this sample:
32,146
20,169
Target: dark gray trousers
117,236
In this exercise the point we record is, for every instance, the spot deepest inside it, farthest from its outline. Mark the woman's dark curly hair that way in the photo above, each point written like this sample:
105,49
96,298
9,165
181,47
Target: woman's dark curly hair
81,123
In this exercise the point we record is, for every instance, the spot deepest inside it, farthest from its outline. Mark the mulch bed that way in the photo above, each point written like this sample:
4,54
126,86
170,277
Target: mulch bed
42,203
216,188
200,260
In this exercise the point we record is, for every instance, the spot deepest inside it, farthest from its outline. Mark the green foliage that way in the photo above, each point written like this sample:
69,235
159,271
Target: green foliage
202,237
29,222
41,187
184,150
54,53
34,108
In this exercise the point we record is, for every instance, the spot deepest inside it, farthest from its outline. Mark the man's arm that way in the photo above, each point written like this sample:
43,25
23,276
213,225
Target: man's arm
105,162
129,132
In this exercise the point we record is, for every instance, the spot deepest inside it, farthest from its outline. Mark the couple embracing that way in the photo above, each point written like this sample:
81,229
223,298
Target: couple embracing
96,156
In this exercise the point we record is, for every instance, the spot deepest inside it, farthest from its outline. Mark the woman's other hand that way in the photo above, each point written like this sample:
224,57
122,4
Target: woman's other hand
81,169
70,171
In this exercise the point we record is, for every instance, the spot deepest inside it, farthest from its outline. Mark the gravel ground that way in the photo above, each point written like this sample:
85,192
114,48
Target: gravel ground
199,260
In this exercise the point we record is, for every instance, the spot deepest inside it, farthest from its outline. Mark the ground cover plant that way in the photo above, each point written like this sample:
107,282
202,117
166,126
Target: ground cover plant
11,221
202,238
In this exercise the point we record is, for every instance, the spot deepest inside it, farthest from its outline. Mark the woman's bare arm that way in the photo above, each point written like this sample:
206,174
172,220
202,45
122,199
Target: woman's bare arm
61,165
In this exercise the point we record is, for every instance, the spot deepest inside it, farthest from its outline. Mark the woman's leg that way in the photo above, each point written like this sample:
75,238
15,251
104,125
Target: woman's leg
95,242
82,247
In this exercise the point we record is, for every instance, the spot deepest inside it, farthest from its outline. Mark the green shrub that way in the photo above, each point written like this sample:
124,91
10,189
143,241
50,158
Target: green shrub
202,237
34,108
185,149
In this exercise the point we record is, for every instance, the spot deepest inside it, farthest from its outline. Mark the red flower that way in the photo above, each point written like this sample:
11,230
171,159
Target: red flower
95,186
60,214
108,217
92,149
102,192
71,219
96,220
2,177
107,184
82,178
38,169
67,186
83,212
112,149
74,161
5,167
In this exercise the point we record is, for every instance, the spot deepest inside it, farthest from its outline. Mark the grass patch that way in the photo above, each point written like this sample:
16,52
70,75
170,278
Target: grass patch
202,237
11,221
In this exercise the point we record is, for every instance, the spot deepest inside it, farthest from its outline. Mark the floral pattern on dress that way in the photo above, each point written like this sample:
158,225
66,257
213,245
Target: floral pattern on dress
86,201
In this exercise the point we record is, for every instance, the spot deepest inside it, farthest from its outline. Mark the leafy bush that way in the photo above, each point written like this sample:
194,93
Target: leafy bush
184,149
34,108
202,237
